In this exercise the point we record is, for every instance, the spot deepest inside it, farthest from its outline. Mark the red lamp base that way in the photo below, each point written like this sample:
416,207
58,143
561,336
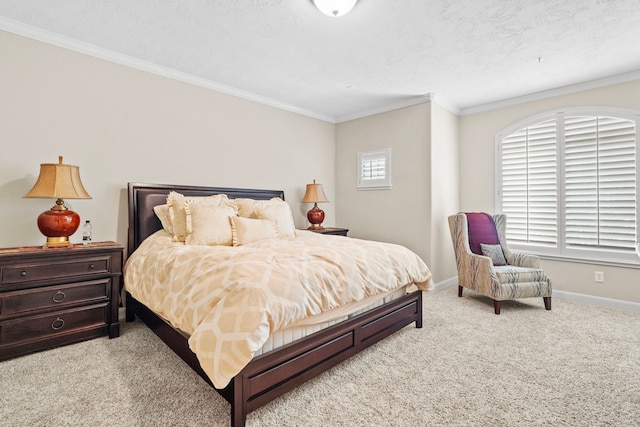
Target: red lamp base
315,217
57,226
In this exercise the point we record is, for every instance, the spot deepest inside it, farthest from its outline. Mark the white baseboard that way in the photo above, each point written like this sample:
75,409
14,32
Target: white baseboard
599,301
437,287
563,295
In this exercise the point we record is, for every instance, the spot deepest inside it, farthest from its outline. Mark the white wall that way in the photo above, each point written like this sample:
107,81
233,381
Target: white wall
477,132
424,143
445,186
402,214
120,125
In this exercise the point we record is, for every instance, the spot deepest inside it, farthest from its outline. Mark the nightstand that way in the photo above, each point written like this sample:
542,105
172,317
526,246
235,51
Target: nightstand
57,296
332,230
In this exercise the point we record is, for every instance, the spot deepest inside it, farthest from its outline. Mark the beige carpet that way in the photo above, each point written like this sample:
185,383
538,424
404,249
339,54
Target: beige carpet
577,365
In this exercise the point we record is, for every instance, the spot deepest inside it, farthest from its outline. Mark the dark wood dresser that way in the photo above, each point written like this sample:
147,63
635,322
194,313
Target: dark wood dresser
57,296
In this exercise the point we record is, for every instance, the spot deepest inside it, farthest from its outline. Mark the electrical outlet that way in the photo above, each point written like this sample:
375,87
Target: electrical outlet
599,276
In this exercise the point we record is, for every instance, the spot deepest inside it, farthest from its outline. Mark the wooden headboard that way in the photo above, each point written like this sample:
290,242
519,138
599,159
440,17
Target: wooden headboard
143,197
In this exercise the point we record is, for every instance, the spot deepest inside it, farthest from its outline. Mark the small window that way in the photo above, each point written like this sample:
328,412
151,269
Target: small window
374,170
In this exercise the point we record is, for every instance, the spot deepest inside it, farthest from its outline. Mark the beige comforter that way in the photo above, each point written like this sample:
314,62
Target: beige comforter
229,299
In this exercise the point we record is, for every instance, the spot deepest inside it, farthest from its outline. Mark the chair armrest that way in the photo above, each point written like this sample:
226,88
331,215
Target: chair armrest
515,259
523,260
482,261
477,272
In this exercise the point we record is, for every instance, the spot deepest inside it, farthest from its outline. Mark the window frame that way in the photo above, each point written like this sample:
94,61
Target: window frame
374,184
561,251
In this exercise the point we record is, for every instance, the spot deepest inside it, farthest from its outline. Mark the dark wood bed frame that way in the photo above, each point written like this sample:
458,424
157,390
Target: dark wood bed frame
276,372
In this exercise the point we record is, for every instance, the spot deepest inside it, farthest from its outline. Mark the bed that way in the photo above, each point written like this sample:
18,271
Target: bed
278,370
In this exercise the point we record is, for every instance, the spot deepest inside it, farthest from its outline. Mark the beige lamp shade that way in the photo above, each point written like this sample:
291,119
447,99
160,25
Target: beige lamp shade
58,181
314,194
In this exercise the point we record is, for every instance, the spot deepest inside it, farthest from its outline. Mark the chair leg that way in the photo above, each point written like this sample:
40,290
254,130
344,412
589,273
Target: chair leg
547,302
496,306
459,290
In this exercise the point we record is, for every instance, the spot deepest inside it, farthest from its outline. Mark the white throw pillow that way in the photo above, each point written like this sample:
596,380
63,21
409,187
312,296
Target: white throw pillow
176,202
275,208
247,230
162,212
208,225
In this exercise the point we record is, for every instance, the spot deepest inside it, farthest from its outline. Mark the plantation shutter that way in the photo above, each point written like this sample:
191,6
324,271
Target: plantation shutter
600,182
529,184
373,168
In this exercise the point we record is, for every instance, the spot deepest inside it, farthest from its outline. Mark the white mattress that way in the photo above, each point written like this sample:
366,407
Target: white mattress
317,323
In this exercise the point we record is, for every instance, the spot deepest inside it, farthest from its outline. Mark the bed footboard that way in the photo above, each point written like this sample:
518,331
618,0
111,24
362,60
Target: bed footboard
279,371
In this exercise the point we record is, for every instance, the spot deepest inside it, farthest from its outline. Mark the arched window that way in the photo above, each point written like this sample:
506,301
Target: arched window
568,182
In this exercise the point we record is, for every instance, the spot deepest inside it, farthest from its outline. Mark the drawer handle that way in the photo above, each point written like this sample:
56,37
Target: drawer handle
57,324
23,273
91,266
59,296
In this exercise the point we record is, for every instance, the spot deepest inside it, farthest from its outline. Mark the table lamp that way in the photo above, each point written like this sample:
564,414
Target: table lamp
58,181
315,195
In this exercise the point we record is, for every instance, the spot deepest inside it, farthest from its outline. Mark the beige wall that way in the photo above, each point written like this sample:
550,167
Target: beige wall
477,132
402,214
424,143
120,125
445,197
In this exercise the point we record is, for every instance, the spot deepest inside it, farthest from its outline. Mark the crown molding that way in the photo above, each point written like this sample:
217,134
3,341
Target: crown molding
438,99
565,90
48,37
408,102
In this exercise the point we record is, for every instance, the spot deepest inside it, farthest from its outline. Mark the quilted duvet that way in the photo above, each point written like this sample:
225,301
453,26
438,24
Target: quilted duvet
229,299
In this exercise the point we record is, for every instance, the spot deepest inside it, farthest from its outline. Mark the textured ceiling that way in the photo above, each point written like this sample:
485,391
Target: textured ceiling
384,53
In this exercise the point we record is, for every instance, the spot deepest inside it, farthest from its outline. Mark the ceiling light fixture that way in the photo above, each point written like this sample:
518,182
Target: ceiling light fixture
335,8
